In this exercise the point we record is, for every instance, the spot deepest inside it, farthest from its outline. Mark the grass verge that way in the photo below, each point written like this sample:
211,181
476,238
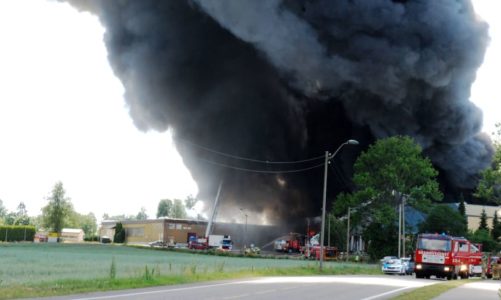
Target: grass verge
149,278
431,291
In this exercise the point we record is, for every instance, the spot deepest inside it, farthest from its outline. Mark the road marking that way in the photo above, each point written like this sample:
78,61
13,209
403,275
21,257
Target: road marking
387,293
160,291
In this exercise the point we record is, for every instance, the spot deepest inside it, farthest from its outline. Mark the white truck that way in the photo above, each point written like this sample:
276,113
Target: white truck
222,242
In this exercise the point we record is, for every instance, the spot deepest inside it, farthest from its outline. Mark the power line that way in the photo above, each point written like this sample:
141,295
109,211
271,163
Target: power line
246,158
260,171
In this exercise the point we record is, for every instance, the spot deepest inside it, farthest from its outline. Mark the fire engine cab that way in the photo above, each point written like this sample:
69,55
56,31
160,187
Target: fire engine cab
446,256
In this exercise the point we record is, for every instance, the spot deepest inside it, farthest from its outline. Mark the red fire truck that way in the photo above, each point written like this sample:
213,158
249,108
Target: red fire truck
446,256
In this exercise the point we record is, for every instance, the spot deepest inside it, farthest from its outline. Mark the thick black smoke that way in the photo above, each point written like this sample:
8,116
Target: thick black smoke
285,80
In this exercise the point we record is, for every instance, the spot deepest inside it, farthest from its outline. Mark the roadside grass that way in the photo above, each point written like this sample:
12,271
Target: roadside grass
150,278
431,291
35,270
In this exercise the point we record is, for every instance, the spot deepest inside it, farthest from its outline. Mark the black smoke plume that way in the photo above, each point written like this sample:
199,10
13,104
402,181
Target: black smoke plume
284,80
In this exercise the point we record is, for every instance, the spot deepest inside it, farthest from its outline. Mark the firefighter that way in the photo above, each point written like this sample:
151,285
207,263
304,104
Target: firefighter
496,269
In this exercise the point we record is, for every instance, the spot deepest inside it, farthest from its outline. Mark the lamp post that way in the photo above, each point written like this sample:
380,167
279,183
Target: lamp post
322,231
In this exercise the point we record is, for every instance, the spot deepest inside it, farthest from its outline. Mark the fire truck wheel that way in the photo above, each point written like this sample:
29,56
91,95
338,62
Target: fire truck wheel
419,275
449,276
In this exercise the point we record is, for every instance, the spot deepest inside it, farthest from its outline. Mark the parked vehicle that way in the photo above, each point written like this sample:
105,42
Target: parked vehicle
312,250
158,243
220,242
105,239
225,244
386,259
198,244
409,265
291,243
445,256
394,266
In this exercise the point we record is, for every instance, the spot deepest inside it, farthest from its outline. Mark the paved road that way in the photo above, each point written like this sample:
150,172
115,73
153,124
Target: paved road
290,288
481,290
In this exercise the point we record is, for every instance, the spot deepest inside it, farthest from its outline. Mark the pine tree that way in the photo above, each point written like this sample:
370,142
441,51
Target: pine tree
496,227
462,211
462,207
483,221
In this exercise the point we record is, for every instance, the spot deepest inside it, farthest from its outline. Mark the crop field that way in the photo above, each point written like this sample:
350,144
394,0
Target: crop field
28,264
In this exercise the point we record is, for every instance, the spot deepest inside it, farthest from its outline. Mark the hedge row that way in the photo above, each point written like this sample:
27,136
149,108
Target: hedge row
17,233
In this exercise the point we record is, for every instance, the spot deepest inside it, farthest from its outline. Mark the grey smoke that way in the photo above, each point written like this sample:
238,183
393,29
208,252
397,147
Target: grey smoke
284,80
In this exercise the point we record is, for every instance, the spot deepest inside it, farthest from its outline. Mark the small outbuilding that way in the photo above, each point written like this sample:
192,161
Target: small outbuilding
72,235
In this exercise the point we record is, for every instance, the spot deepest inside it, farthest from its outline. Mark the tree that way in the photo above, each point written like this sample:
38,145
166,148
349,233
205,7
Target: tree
391,169
87,223
141,215
483,221
164,208
119,233
22,217
483,237
190,202
59,208
337,232
443,218
489,185
178,210
462,209
3,210
496,227
396,164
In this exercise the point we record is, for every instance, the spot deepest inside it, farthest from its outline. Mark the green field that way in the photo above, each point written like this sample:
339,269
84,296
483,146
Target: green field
51,269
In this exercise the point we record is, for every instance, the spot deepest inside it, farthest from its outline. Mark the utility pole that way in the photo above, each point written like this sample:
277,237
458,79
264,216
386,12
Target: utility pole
399,227
329,230
403,226
326,166
348,235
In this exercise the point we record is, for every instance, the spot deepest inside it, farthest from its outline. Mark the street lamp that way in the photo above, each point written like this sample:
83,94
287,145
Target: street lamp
245,231
327,158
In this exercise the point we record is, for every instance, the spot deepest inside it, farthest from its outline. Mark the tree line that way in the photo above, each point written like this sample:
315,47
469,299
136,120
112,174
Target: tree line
394,169
57,214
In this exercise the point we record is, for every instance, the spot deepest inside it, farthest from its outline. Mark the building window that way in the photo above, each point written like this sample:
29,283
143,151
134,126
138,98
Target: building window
179,226
172,226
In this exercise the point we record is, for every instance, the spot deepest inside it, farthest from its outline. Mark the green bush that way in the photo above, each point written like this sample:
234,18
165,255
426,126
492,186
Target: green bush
93,238
16,233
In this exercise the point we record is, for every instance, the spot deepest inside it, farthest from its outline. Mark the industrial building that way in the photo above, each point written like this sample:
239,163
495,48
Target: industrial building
175,231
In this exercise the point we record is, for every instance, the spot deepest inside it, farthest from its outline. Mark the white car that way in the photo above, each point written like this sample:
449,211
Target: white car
394,266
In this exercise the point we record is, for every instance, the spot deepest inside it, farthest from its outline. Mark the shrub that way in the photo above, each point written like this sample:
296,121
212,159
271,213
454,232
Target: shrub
119,234
93,238
17,233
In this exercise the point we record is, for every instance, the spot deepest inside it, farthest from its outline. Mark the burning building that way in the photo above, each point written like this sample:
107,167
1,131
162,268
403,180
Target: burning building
247,86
